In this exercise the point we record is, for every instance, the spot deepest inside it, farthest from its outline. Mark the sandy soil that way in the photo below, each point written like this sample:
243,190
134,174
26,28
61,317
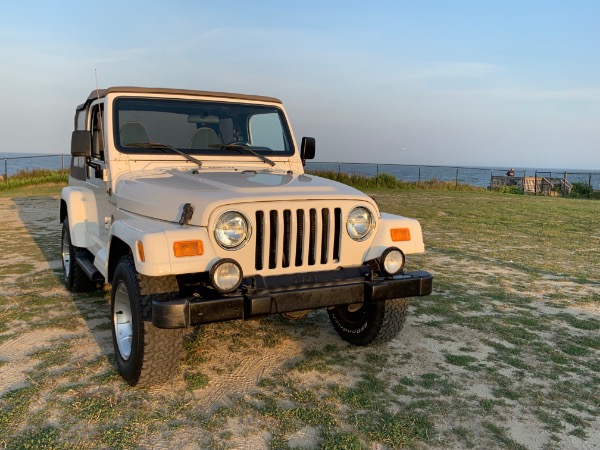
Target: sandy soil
236,368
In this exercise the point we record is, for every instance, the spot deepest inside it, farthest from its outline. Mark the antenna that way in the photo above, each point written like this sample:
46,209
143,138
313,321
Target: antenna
97,90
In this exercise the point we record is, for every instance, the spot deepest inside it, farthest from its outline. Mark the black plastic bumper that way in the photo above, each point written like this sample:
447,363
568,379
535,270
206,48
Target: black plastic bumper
260,296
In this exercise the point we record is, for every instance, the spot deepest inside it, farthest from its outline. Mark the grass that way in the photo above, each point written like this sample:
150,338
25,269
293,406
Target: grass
195,381
28,190
549,238
511,330
460,360
33,178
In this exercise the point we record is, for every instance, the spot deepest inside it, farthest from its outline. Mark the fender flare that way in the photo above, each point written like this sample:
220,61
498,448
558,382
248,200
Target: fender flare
156,247
157,241
383,237
73,206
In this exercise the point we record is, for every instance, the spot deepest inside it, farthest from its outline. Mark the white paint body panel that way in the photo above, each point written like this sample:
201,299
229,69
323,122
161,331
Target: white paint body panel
74,197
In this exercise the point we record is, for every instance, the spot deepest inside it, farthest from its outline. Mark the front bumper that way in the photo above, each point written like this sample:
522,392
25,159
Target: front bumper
262,296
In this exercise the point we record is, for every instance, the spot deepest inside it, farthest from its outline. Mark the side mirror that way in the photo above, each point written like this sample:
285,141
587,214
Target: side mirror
81,143
307,149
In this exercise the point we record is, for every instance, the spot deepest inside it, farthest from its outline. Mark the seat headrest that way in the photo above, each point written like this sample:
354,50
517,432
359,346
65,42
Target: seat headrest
133,133
203,138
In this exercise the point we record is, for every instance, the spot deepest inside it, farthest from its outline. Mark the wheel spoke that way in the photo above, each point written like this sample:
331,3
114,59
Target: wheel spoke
122,322
66,254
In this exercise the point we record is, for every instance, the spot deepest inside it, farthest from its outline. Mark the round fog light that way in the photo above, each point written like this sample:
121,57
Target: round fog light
226,275
393,261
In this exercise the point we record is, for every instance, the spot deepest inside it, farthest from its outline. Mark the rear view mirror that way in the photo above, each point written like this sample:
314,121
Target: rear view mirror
81,143
202,119
307,149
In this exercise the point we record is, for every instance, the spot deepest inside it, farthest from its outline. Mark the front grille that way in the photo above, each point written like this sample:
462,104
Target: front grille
295,238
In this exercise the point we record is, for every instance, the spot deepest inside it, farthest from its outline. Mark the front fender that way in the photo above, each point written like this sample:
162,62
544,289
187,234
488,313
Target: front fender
74,201
157,240
383,238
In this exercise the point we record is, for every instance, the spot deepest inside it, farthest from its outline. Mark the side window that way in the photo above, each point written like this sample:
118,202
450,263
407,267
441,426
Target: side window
265,131
80,120
97,133
78,168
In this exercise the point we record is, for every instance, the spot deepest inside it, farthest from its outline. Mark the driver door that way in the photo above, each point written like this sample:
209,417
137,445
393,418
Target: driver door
97,203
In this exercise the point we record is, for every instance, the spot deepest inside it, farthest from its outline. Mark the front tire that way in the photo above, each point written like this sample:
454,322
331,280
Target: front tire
145,355
75,278
373,323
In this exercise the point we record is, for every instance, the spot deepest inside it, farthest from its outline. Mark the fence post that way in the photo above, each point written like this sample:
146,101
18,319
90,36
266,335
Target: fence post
456,185
590,185
339,171
377,177
419,177
491,179
62,162
564,189
535,184
6,170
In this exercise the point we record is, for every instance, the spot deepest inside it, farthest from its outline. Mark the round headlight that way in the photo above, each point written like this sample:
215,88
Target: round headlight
232,230
226,275
393,260
360,223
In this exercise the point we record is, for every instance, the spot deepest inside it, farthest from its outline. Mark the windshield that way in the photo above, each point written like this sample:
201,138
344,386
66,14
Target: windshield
199,127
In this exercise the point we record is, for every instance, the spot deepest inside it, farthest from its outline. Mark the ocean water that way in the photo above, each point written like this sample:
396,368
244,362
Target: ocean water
11,163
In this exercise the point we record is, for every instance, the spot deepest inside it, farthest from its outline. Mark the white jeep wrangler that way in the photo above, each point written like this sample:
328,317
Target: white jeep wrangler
195,207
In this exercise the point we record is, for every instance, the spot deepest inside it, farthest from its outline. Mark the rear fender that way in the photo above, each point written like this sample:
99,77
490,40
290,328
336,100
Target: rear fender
73,205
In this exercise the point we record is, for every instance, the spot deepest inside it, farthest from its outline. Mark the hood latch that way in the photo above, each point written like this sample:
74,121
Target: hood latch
186,214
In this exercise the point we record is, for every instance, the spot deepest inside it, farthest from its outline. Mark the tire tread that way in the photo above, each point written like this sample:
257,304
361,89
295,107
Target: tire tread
384,321
394,317
161,350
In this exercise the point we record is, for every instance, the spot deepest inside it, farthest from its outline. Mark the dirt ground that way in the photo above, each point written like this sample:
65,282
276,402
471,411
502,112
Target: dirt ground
494,360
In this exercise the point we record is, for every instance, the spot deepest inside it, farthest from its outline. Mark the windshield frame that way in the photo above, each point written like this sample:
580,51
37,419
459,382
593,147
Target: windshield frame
150,150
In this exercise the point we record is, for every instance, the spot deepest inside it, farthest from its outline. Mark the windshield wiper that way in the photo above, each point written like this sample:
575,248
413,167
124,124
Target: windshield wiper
239,148
164,146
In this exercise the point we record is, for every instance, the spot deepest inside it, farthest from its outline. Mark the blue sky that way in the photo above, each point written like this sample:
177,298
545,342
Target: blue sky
480,83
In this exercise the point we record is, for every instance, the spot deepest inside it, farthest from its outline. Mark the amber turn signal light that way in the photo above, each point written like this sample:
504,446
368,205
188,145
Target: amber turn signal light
140,249
400,234
188,248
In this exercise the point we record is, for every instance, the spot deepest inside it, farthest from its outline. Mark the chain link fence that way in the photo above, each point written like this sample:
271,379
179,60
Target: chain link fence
538,182
13,165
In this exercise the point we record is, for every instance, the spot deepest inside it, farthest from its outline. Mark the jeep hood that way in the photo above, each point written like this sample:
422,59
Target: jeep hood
161,194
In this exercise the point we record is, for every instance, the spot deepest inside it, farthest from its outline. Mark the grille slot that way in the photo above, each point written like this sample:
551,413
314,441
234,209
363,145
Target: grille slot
337,231
312,236
260,238
299,236
273,239
287,237
296,238
324,234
